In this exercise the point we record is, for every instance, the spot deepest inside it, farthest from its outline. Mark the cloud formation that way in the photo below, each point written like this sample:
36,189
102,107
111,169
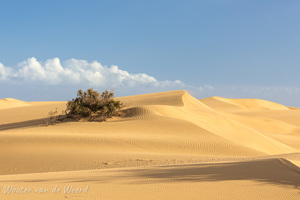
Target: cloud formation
31,78
73,71
5,72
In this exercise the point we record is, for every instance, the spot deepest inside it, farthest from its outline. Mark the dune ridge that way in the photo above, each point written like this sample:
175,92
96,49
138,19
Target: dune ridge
12,103
246,104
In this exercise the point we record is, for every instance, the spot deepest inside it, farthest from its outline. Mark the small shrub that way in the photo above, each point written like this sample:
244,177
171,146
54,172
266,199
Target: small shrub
94,105
52,117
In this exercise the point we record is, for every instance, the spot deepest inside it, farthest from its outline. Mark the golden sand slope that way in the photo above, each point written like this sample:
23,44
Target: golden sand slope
12,103
170,146
231,105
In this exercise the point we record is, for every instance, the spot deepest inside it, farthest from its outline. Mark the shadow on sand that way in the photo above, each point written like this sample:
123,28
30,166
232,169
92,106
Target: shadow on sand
275,171
24,124
272,171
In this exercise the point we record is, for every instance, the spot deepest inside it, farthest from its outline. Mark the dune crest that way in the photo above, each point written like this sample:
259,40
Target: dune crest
12,103
243,104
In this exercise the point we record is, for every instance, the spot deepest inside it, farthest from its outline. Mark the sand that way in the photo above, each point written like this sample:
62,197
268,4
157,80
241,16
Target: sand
170,146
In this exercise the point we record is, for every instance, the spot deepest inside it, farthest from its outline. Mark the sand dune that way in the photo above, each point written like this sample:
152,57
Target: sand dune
169,146
12,103
236,105
263,179
249,104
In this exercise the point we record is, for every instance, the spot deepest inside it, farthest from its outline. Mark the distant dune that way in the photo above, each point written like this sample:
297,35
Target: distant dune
169,146
231,105
12,103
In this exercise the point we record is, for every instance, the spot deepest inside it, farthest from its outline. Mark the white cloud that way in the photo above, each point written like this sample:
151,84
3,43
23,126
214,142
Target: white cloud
5,73
73,71
61,78
73,74
209,87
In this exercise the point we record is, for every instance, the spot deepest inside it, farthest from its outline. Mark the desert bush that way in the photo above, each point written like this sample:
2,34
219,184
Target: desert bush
52,116
92,103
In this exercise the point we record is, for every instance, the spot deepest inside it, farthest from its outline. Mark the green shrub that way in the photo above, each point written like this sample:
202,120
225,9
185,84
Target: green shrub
91,103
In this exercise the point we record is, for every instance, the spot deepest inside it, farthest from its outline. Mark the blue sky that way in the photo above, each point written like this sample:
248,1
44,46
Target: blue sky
229,48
